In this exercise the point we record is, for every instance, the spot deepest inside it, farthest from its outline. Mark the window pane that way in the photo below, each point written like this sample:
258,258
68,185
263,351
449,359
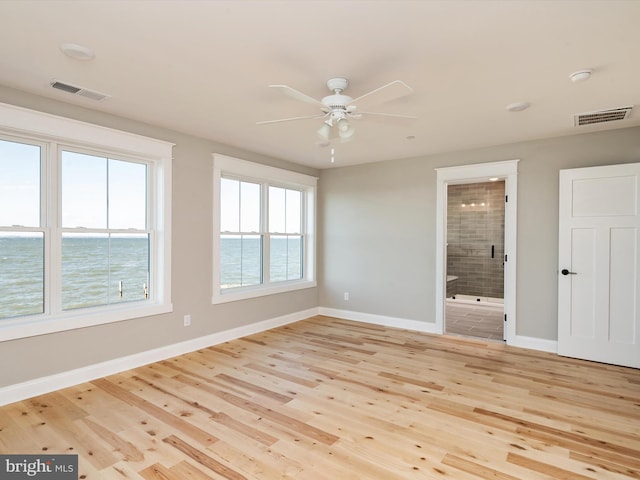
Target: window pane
127,195
240,260
294,205
21,274
97,268
84,191
128,267
229,205
85,270
249,207
284,210
285,258
19,184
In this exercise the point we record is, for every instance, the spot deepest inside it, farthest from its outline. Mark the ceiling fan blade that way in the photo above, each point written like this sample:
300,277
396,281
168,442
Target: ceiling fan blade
293,93
289,119
385,93
396,115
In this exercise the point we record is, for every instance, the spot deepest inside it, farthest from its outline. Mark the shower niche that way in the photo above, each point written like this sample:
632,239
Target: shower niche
475,241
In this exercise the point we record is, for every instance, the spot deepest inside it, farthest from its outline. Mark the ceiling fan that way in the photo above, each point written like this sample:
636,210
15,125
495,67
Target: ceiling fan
337,109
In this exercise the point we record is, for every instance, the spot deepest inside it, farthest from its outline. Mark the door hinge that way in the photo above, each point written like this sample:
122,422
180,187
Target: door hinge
505,317
505,257
506,199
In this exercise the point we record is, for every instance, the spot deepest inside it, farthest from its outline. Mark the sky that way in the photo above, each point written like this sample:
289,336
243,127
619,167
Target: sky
241,203
89,184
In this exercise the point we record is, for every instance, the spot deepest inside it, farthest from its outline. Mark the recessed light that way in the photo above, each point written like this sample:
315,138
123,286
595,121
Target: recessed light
518,106
77,52
581,75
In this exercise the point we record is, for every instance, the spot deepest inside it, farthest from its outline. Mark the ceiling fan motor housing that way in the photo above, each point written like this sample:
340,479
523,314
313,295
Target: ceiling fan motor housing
339,84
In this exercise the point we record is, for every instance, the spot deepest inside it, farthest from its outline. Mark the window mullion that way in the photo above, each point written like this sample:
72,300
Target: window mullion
53,265
264,231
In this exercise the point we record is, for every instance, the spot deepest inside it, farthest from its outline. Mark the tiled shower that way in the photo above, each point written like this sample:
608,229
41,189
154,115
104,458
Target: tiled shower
475,240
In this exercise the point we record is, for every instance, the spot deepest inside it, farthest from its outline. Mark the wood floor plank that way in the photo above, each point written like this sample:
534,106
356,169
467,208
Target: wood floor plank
185,471
203,458
175,422
326,399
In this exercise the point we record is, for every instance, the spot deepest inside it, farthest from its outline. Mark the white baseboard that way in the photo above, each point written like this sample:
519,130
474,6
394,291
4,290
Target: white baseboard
533,343
518,341
383,320
40,386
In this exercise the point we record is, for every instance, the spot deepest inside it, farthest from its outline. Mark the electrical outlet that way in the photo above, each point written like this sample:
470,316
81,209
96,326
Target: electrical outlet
346,296
187,320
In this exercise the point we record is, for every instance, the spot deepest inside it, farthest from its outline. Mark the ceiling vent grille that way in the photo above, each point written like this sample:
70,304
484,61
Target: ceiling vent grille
80,91
602,116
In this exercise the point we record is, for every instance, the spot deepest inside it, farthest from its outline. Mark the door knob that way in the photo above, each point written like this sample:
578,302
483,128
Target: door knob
564,271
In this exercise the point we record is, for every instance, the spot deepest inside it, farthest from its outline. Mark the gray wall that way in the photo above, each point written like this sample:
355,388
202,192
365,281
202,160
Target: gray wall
378,227
192,212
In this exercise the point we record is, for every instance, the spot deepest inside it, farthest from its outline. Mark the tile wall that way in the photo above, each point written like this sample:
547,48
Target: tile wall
475,223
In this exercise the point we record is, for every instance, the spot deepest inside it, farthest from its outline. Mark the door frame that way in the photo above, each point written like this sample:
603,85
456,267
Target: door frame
474,173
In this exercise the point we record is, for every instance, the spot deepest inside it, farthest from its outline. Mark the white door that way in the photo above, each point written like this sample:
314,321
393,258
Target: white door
598,275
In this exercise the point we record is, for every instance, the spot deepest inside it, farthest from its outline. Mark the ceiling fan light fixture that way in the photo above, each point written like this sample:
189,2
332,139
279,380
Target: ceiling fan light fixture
346,134
336,109
324,131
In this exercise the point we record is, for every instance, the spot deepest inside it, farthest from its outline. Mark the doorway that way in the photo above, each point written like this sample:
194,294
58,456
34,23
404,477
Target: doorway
506,172
474,304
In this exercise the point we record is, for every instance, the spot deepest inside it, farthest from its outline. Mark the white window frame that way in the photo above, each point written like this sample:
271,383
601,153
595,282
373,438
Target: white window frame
265,175
56,133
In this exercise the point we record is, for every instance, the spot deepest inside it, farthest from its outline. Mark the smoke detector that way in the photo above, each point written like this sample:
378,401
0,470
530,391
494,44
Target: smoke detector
80,91
77,52
581,75
602,116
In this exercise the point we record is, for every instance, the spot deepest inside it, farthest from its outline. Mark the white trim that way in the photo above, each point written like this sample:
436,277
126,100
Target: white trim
32,122
470,174
533,343
259,290
33,325
260,171
40,386
394,322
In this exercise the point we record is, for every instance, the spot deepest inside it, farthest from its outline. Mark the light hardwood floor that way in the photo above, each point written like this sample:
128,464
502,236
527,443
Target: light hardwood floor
332,399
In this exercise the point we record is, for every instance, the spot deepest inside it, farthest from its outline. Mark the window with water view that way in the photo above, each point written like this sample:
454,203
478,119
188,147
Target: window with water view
99,253
264,224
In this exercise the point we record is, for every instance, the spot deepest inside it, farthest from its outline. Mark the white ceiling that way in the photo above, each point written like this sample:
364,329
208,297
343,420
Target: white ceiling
203,67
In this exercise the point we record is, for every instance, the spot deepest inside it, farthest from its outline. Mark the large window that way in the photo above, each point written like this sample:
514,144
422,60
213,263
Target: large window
264,230
83,230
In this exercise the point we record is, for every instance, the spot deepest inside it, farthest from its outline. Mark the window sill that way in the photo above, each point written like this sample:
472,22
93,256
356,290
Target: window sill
33,325
236,294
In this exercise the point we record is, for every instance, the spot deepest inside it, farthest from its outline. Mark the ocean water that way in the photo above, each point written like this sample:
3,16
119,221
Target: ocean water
241,260
95,271
101,271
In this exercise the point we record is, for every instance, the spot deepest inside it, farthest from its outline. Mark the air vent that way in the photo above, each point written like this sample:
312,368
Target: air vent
80,91
602,116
